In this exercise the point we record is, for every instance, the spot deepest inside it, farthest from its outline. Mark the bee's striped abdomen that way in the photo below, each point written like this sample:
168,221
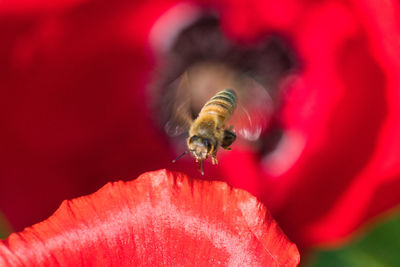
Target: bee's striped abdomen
222,104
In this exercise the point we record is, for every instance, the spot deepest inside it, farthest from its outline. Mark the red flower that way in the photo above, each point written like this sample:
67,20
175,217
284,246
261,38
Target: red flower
74,110
159,219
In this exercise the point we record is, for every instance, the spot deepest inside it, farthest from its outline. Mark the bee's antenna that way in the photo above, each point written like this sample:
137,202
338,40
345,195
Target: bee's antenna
201,167
180,156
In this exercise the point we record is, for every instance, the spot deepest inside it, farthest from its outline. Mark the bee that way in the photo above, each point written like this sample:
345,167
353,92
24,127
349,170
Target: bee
208,131
244,103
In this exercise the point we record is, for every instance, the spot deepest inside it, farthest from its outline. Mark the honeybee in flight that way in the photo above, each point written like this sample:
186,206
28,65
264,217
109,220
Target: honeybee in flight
233,95
207,131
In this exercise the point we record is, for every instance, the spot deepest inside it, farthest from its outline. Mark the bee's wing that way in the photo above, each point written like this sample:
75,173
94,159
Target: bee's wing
253,111
178,111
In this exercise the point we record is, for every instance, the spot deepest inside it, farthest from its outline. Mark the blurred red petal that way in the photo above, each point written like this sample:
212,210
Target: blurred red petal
159,219
341,116
352,137
72,90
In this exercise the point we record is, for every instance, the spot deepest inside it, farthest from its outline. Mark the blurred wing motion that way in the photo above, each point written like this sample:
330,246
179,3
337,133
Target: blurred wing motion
201,81
254,110
178,114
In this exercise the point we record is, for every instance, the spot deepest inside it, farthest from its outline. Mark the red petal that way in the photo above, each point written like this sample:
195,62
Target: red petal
160,218
340,156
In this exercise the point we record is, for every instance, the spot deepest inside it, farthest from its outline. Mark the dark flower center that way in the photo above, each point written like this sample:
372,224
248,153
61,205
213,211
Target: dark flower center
268,61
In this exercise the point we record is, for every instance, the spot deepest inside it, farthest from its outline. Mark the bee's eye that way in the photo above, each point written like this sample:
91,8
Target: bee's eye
193,138
207,144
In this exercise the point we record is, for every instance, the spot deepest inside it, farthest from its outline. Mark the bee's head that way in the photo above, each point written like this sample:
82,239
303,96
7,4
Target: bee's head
200,147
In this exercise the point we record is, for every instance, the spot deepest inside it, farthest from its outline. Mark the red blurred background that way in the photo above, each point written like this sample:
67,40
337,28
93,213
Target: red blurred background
74,107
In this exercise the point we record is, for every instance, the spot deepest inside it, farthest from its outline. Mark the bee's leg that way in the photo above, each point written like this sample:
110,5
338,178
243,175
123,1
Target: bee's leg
214,159
229,138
